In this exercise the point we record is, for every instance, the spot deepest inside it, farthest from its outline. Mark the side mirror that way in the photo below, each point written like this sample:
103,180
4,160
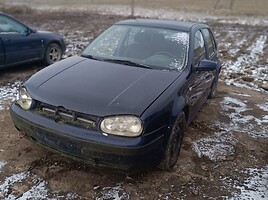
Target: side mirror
29,31
207,65
26,32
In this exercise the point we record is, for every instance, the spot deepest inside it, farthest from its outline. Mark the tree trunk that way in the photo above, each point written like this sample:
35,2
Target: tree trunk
217,4
231,4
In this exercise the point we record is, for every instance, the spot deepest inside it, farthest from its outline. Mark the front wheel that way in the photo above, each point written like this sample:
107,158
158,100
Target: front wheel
53,54
174,144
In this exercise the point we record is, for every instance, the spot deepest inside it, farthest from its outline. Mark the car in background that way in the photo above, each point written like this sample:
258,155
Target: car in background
126,101
20,44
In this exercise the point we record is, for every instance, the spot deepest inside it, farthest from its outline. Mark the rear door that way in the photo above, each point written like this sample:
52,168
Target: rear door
20,43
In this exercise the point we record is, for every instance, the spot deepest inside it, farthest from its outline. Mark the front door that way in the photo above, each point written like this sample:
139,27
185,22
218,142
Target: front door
20,43
199,81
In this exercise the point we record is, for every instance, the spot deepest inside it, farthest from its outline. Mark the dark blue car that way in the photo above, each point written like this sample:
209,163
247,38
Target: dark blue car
20,44
125,102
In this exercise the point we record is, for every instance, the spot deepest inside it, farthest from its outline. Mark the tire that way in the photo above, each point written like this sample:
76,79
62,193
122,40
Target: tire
53,54
212,93
174,144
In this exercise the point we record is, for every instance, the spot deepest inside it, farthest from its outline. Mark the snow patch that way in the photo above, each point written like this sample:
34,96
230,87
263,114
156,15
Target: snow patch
10,181
241,95
241,122
255,186
218,147
115,193
8,94
2,164
263,107
38,191
247,62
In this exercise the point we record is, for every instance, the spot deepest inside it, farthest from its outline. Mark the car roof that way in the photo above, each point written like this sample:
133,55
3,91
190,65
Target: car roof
2,13
160,23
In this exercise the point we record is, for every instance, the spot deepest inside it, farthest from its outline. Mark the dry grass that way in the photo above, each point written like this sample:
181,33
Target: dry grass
245,7
23,9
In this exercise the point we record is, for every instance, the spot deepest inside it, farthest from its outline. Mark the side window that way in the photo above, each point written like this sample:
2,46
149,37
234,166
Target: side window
211,45
199,47
9,25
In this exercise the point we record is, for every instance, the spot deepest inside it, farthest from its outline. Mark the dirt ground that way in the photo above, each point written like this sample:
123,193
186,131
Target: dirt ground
224,153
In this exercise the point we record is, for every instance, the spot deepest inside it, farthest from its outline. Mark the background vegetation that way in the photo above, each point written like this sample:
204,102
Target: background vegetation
228,7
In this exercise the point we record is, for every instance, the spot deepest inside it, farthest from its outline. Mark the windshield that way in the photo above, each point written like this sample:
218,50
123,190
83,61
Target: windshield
154,47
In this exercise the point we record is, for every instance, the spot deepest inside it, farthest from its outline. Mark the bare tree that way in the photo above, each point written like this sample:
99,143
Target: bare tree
231,4
217,4
132,7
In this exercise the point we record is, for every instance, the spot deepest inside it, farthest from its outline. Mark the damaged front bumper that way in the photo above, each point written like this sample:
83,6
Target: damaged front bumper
89,146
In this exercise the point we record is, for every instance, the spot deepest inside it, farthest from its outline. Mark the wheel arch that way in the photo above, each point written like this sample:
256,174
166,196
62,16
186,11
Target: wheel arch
186,112
173,119
49,42
168,160
54,42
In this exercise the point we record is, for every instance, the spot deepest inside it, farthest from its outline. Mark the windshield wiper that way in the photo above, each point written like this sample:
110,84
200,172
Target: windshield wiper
90,57
128,62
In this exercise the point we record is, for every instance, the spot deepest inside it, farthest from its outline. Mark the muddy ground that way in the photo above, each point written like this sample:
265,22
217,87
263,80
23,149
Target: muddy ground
224,153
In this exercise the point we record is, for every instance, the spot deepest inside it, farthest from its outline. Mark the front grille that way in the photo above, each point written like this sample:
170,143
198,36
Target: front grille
61,115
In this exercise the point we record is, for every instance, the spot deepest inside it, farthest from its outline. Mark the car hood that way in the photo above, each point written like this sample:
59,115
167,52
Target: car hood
99,88
47,33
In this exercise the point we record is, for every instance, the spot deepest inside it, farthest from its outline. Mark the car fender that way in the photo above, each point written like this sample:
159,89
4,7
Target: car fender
48,39
178,106
163,113
2,53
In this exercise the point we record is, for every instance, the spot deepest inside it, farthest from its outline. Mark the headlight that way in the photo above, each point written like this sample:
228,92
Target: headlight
129,126
24,99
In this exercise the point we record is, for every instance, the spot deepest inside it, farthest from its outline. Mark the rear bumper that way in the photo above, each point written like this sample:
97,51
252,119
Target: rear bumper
88,146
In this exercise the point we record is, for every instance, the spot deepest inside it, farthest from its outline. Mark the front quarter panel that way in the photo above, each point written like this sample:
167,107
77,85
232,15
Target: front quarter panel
48,38
164,110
